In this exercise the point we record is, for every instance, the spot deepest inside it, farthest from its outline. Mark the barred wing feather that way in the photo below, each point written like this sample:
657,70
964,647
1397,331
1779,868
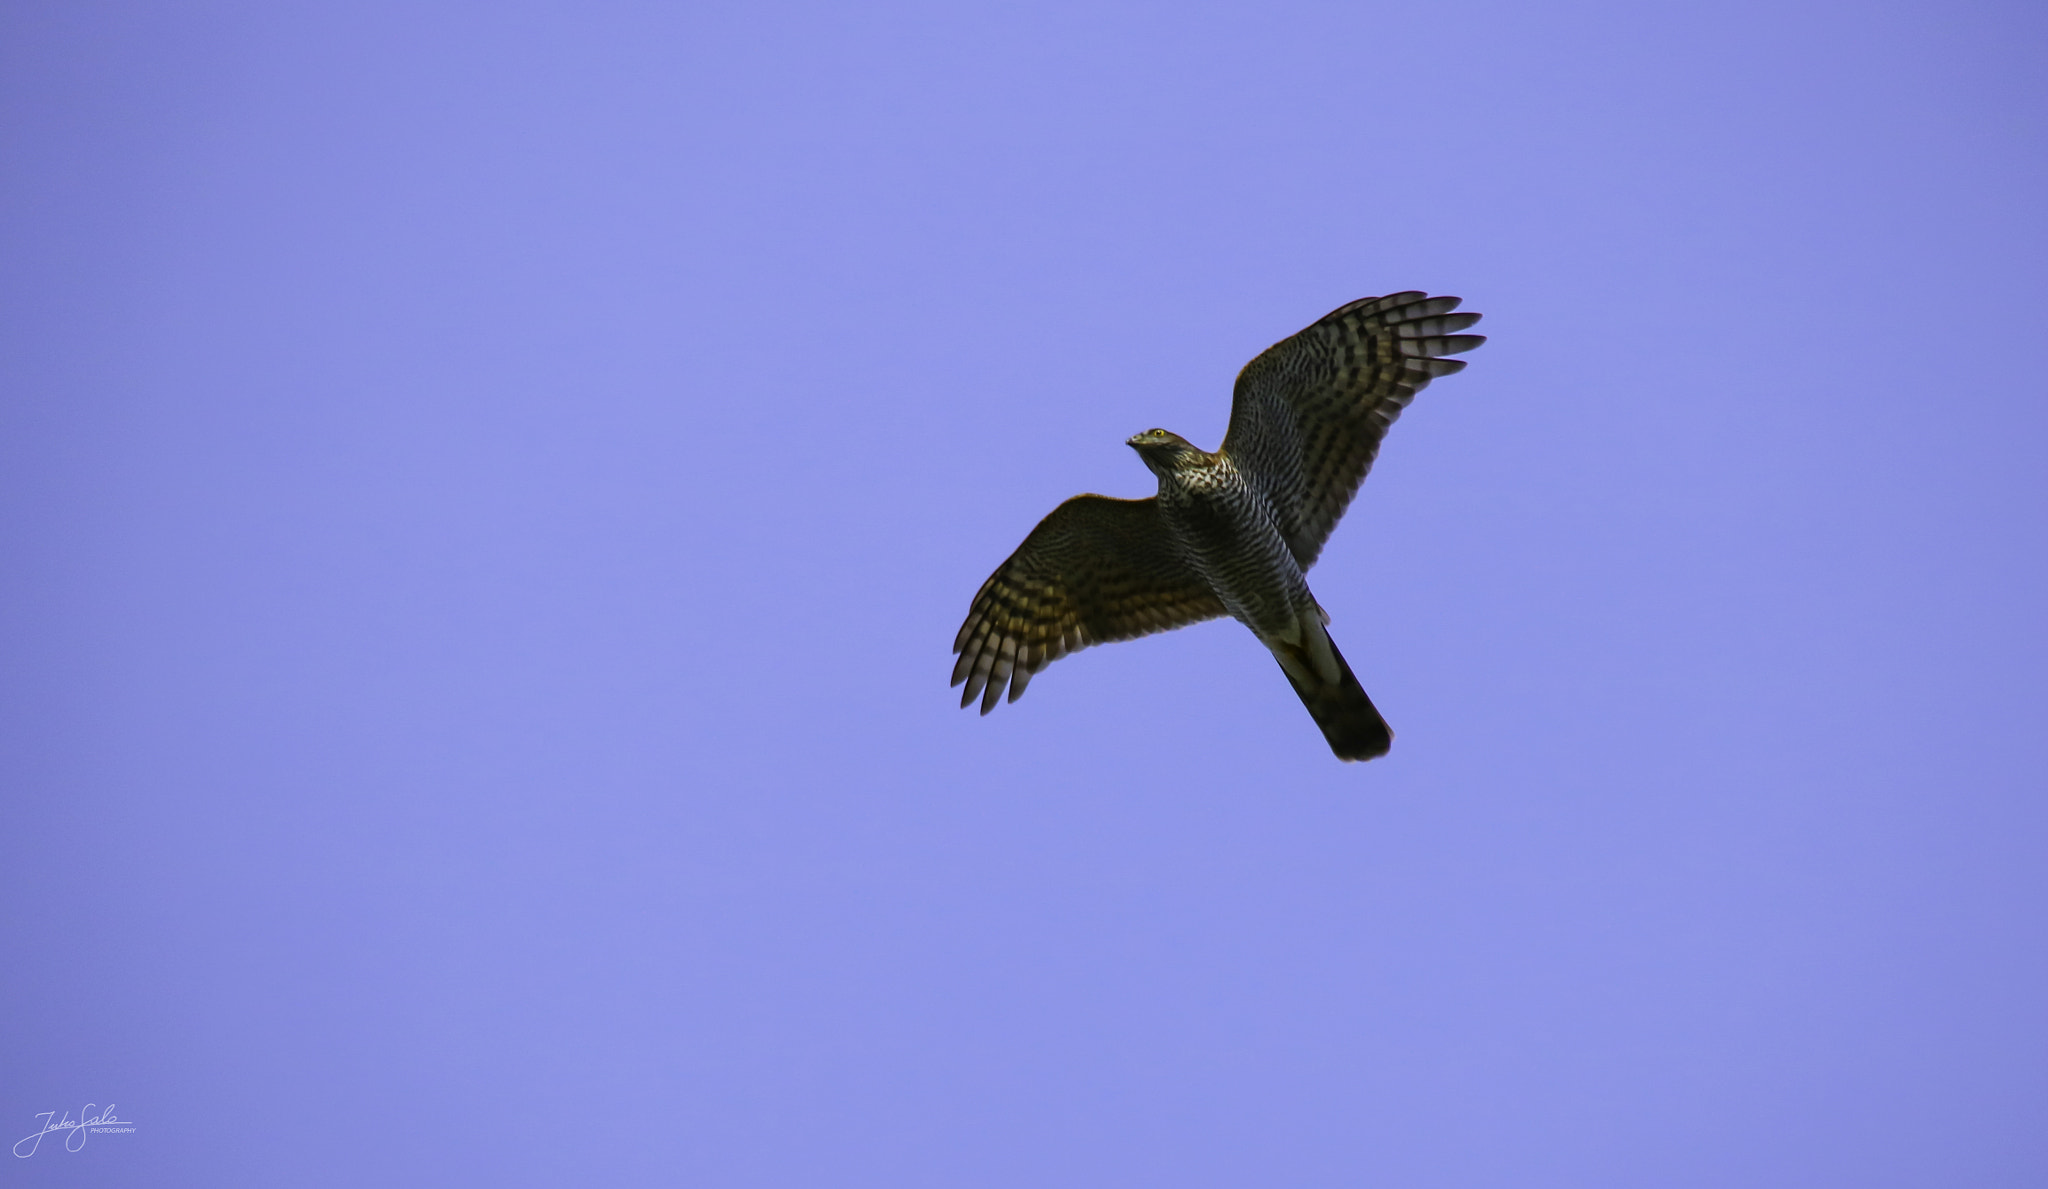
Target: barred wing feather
1310,411
1096,569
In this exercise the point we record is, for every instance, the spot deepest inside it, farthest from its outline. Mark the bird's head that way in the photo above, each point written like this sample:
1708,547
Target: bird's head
1165,452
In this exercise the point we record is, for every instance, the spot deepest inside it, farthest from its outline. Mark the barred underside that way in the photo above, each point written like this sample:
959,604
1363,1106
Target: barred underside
1228,535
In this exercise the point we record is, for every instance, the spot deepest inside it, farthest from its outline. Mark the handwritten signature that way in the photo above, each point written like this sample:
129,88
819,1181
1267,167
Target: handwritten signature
104,1121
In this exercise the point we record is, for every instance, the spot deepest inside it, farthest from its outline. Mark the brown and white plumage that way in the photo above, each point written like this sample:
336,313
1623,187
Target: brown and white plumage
1309,412
1230,532
1097,569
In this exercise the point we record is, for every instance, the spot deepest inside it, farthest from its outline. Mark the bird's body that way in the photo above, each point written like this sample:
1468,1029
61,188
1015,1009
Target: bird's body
1230,532
1227,533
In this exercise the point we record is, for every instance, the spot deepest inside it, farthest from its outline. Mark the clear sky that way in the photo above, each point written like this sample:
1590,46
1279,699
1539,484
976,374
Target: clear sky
487,491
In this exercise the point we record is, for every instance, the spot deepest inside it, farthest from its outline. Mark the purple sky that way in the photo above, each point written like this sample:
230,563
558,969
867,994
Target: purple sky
489,490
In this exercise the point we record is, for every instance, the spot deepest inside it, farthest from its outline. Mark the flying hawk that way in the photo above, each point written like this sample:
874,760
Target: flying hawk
1230,533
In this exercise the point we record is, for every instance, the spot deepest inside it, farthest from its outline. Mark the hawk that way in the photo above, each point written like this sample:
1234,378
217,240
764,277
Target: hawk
1230,532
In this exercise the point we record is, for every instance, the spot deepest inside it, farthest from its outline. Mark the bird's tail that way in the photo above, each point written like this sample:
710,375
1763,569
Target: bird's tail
1351,724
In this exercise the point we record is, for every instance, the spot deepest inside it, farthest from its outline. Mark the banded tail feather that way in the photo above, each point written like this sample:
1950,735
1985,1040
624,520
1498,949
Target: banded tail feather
1349,721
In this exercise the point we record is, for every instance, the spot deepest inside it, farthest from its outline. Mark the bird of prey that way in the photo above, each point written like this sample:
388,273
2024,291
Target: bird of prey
1230,533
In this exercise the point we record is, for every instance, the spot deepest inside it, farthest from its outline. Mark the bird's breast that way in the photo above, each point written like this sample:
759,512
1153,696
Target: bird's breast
1230,537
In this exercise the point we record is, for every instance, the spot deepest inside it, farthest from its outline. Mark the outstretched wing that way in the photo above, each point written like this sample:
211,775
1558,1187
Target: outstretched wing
1310,411
1096,569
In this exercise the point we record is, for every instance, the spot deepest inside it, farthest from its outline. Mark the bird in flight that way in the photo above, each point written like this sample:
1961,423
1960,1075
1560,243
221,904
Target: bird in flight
1230,532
